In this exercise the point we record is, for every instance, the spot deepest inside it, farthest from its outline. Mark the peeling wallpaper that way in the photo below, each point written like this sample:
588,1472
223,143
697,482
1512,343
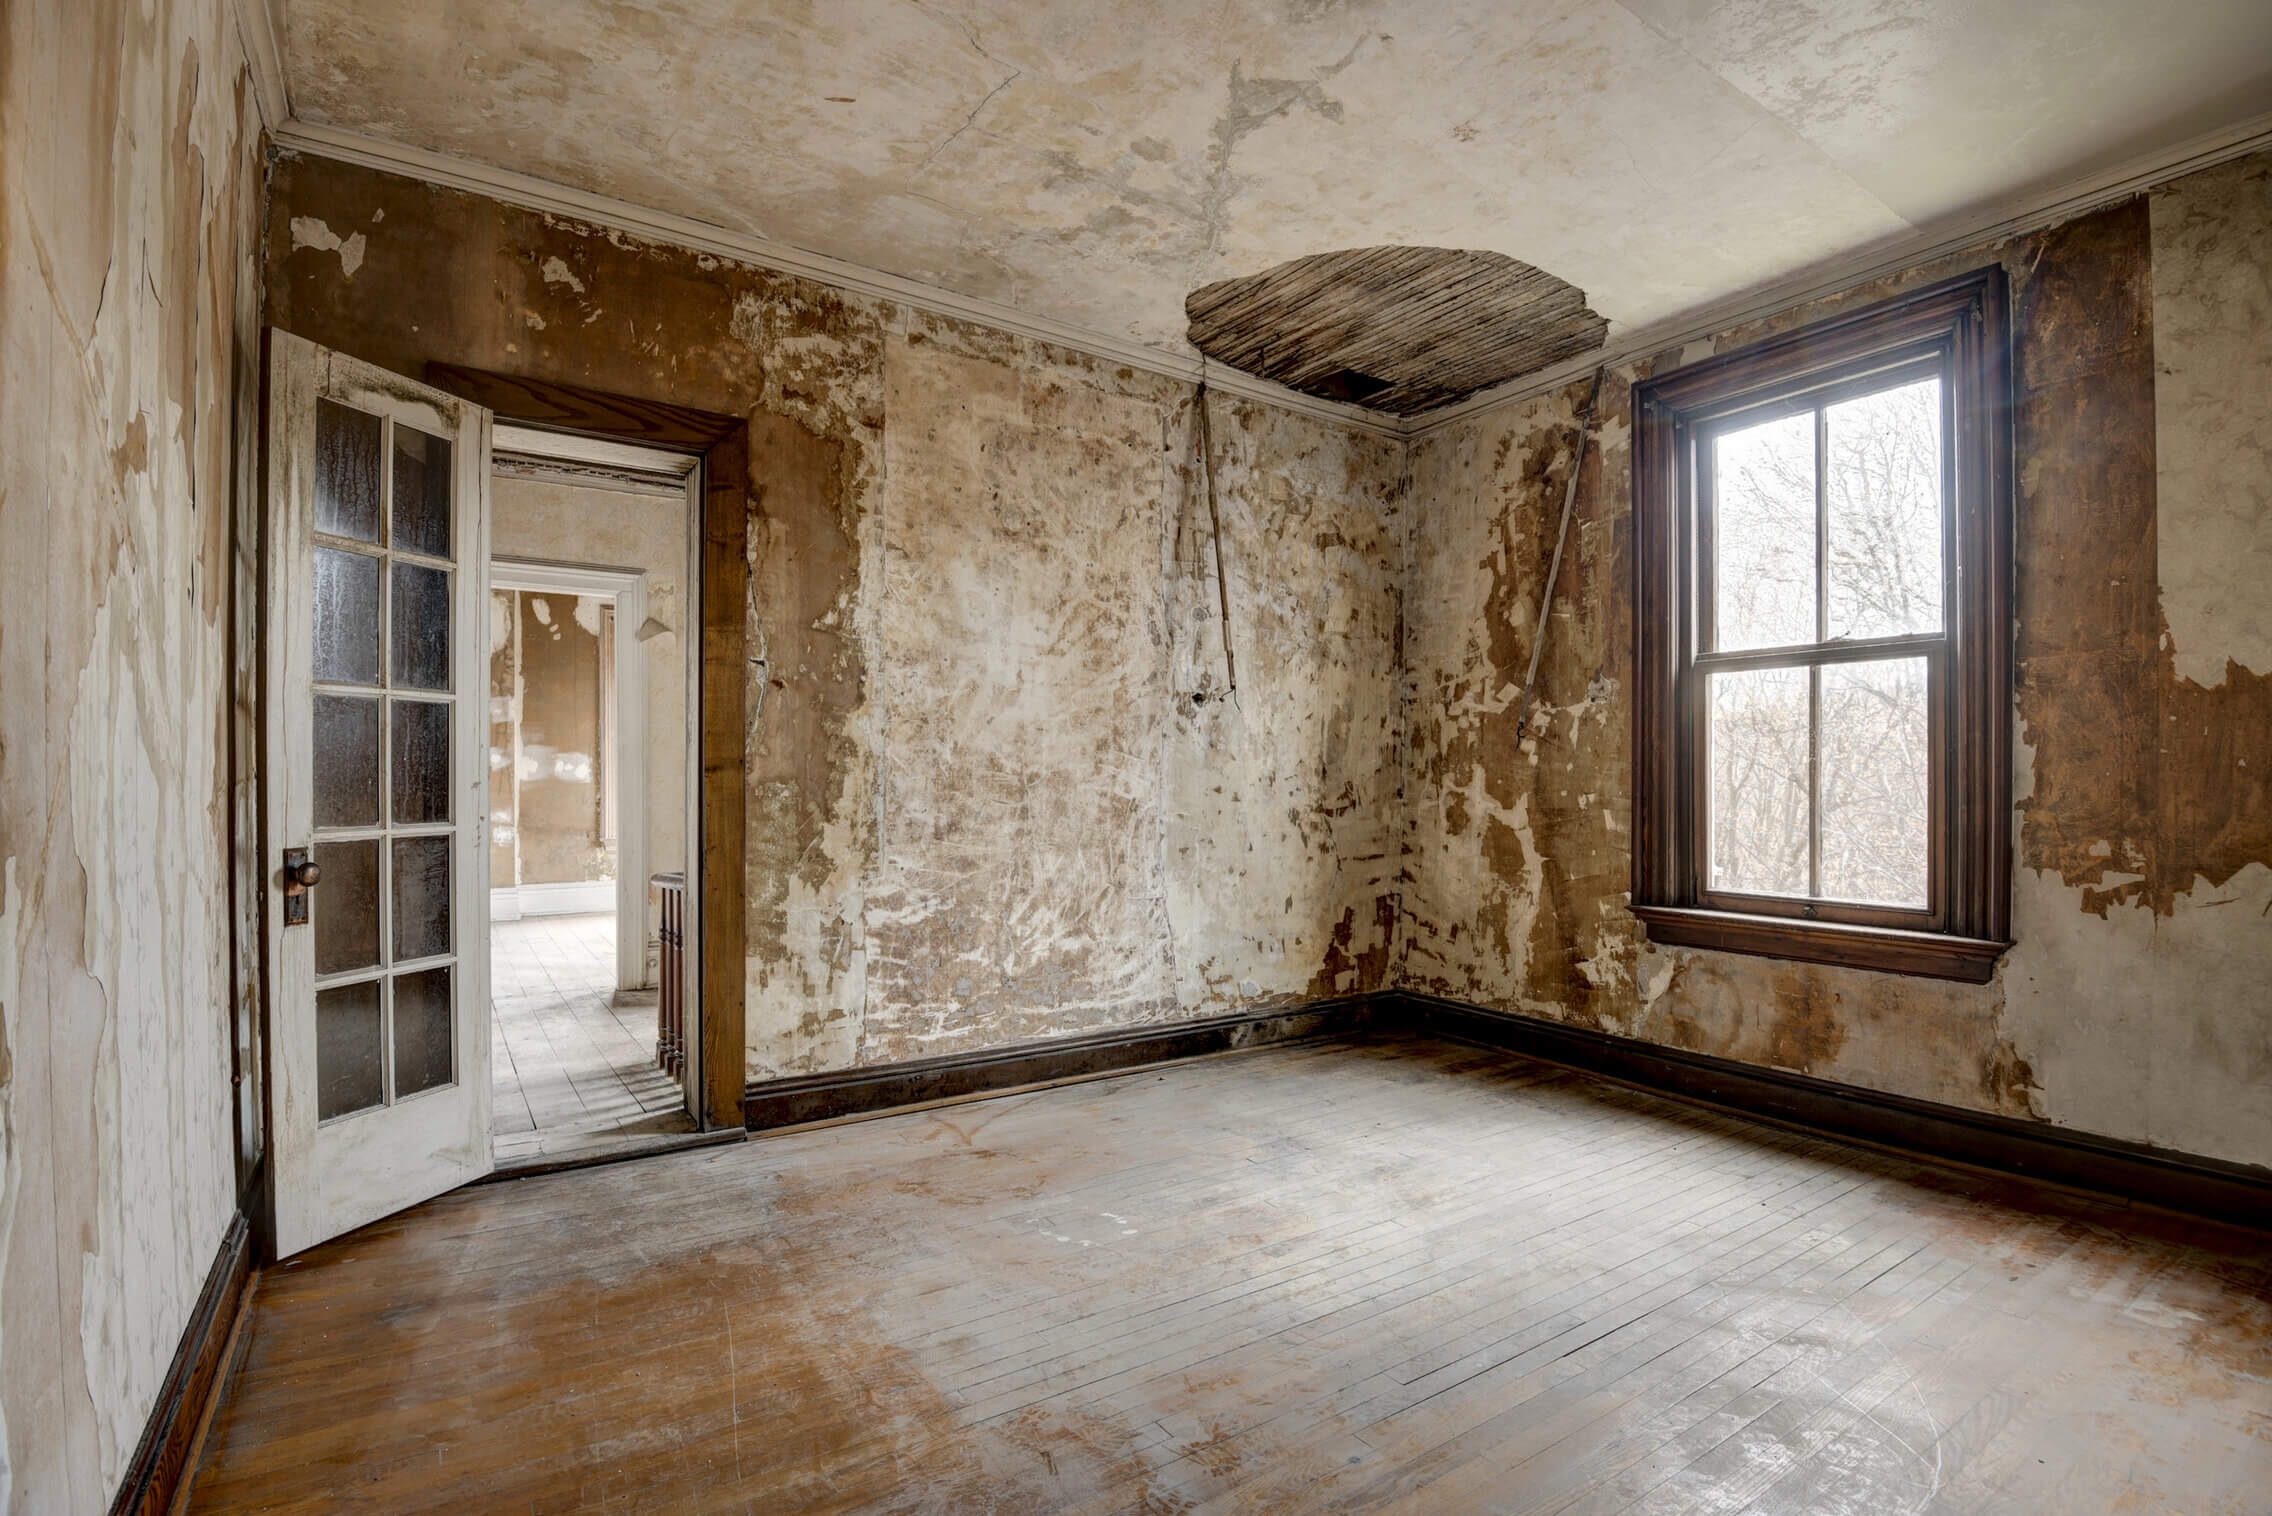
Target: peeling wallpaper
984,804
2213,412
999,791
2134,1003
128,145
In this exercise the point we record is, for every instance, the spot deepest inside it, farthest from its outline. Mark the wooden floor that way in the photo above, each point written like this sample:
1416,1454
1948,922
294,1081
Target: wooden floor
572,1060
1381,1275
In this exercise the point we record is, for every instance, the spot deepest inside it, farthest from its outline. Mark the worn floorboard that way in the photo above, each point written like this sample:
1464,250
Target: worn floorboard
1368,1275
572,1059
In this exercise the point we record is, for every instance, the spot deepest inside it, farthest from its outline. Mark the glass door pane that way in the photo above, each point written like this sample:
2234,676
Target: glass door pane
386,831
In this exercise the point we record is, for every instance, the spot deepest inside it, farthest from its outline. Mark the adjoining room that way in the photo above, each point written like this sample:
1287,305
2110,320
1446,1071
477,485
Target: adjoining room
591,552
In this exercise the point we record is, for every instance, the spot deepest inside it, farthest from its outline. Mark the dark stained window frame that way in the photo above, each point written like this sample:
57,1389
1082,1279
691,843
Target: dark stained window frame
1958,328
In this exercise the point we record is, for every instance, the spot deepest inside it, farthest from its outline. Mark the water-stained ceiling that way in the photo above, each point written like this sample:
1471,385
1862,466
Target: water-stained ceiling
1094,163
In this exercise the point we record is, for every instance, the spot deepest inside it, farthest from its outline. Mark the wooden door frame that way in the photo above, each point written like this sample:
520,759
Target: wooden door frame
719,853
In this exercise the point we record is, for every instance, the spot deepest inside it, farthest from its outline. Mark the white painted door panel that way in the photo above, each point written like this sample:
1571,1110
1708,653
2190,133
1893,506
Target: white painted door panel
377,682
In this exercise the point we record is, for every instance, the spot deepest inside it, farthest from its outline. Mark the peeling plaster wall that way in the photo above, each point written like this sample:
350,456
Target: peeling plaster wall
128,146
2213,415
984,806
2134,1004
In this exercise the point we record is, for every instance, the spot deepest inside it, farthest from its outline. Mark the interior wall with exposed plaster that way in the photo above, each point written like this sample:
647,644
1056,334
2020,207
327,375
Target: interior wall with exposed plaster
998,787
2133,1004
128,343
985,807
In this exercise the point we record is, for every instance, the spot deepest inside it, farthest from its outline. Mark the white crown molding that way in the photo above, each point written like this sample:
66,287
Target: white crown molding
262,41
1994,221
1990,223
318,141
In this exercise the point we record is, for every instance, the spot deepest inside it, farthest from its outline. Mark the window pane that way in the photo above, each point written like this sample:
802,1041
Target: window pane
345,905
1759,744
347,472
1882,466
421,1031
421,761
421,492
347,1050
421,627
1876,782
347,617
1763,524
421,897
346,761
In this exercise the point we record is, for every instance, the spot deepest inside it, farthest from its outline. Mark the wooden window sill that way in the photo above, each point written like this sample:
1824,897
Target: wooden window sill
1889,950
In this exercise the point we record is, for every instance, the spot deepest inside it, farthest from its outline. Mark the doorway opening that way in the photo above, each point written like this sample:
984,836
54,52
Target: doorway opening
591,795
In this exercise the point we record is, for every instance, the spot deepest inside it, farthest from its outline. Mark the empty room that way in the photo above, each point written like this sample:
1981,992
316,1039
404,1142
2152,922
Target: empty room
938,756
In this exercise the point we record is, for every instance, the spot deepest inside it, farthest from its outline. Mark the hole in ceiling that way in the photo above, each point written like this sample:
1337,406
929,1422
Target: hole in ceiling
1351,385
1398,329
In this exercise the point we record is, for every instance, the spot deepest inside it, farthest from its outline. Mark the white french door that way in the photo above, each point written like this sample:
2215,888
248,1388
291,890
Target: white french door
376,642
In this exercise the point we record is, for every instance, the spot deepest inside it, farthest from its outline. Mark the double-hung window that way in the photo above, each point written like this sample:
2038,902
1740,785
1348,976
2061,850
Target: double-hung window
1823,625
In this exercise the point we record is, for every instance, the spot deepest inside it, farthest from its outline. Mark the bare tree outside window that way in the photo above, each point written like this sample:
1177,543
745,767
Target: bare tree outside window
1826,529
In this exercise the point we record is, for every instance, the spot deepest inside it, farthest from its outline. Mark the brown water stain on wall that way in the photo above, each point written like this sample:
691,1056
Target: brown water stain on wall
2086,603
804,572
2136,773
1351,969
983,806
458,279
2139,774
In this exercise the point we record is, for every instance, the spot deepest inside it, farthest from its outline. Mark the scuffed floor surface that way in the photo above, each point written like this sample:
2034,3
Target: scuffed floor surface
1383,1275
571,1058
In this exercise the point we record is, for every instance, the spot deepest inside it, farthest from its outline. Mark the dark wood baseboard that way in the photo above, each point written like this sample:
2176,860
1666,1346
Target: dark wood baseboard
162,1459
2209,1187
2223,1191
858,1091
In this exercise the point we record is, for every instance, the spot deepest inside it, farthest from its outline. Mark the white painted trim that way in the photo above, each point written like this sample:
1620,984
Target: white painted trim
573,897
1982,225
626,894
1991,221
575,447
700,236
262,41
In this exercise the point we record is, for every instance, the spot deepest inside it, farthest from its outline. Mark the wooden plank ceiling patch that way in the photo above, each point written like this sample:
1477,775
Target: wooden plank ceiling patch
1396,329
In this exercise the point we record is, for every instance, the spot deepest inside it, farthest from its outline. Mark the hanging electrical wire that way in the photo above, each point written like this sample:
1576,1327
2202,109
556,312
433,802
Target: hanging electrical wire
1215,525
1554,569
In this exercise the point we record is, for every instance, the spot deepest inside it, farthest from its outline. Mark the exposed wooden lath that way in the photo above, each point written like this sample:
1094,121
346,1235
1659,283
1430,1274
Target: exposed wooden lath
1397,329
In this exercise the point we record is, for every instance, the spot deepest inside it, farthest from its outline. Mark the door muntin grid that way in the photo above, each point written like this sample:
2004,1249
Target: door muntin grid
385,822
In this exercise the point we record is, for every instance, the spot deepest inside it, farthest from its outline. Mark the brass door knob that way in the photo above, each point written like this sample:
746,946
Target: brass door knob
307,875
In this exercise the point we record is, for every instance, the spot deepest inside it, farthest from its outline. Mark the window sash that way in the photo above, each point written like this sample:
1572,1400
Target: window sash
1933,914
1701,659
1701,543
